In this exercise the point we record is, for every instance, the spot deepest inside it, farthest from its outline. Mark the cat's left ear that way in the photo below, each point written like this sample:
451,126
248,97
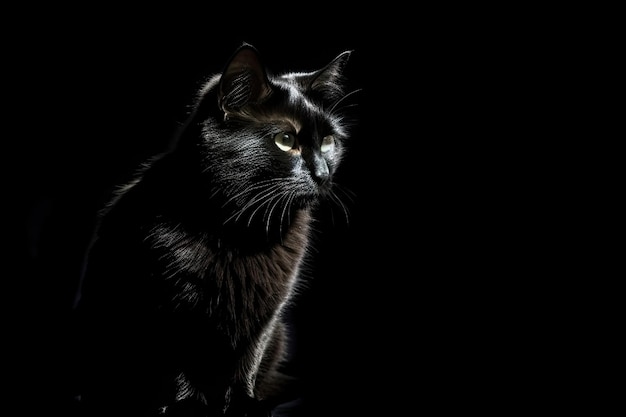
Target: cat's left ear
243,81
328,80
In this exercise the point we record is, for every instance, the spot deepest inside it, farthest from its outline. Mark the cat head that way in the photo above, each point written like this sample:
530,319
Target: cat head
273,142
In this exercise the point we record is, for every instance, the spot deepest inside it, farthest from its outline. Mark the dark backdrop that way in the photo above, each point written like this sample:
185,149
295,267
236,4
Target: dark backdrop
398,314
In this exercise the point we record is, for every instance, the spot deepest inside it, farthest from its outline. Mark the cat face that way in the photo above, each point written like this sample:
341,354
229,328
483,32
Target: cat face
279,161
290,136
278,140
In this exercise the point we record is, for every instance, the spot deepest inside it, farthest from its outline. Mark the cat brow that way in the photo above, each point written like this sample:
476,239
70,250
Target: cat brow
297,126
292,123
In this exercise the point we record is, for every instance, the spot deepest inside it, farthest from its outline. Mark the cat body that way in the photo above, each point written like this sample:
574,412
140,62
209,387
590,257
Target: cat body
193,262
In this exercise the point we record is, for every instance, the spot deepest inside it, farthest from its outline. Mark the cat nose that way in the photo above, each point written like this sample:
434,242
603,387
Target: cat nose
320,171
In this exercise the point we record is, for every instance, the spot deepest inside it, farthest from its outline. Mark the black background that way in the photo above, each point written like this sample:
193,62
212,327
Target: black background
411,305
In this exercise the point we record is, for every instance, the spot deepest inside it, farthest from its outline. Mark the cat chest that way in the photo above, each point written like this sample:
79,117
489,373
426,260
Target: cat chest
198,271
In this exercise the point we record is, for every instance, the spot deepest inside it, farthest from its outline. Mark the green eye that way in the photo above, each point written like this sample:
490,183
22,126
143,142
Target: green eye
328,143
285,141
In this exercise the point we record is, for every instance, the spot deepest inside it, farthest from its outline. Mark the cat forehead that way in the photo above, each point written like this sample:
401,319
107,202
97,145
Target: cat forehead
298,81
301,113
295,96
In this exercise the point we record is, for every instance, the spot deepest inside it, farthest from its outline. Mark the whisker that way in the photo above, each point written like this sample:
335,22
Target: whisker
287,211
246,189
342,205
332,108
349,194
338,200
267,202
279,198
267,190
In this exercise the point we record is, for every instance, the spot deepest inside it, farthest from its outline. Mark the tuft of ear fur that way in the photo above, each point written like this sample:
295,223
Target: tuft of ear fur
328,80
243,81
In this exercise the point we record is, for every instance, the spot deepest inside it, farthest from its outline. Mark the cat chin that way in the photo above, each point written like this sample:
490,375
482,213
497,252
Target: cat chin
307,202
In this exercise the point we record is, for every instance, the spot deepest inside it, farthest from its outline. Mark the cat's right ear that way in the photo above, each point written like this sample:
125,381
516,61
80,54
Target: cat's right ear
243,81
329,80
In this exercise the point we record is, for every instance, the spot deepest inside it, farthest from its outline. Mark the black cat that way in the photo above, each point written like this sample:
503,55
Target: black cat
193,262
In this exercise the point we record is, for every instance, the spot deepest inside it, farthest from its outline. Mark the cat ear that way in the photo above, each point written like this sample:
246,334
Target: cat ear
328,80
244,80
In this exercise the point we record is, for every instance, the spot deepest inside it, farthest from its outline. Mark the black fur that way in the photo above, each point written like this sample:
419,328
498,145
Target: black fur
193,262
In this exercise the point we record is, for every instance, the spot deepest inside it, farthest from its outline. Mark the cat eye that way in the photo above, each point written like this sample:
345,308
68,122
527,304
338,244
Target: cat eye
285,141
328,143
